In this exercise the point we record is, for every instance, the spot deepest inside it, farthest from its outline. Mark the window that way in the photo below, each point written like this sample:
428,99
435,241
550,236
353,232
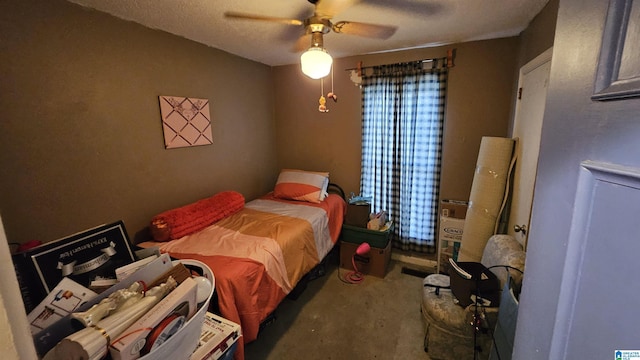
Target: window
402,121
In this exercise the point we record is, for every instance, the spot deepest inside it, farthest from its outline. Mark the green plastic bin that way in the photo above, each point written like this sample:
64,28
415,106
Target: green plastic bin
358,235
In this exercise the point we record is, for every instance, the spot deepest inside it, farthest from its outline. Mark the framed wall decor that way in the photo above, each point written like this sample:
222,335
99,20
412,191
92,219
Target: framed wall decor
618,73
185,121
85,257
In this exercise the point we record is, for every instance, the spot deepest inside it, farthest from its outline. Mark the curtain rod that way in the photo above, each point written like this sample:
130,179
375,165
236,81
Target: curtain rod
404,62
450,57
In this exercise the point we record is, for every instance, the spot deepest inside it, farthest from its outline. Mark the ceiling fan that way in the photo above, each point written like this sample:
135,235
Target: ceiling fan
316,62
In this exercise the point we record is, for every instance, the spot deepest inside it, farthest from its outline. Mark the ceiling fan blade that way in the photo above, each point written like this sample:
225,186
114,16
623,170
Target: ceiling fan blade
331,8
364,29
239,15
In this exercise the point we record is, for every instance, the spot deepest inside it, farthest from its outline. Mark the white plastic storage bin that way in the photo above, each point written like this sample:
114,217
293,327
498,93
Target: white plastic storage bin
178,346
182,344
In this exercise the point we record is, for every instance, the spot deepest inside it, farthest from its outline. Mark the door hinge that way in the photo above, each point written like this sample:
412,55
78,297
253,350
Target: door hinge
519,93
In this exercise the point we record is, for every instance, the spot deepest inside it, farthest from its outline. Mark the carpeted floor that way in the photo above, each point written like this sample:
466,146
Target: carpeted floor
376,319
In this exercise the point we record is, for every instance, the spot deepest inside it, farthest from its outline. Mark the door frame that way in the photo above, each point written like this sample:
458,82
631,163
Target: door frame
543,58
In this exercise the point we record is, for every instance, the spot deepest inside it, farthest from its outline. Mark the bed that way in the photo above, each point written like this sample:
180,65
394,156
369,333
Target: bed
261,250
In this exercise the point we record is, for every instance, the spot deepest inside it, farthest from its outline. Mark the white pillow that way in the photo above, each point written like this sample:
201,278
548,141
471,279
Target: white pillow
302,185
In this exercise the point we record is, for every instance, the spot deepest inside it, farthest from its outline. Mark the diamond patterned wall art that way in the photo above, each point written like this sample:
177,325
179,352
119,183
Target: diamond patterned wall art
185,121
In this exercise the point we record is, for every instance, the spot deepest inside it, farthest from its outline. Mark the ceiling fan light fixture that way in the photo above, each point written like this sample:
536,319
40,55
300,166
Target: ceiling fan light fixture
316,62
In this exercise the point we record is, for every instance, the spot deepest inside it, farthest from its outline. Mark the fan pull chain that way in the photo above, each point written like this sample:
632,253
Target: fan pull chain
331,80
323,102
332,95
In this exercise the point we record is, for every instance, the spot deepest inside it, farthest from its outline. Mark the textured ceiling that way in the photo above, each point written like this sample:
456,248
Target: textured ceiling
421,23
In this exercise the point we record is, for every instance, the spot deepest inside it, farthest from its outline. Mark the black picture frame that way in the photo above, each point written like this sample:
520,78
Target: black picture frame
82,257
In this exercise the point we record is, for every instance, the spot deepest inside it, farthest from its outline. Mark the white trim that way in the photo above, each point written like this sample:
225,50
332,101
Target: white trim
16,341
414,260
591,173
536,62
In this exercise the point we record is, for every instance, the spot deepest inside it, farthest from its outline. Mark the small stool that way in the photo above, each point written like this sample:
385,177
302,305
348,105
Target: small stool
448,329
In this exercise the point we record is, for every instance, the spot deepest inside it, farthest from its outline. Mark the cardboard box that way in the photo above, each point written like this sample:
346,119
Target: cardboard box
84,257
158,324
357,215
63,300
449,238
450,229
375,263
125,271
218,338
454,208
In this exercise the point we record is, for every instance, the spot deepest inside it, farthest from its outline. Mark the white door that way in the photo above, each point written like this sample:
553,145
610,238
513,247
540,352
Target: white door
580,290
527,127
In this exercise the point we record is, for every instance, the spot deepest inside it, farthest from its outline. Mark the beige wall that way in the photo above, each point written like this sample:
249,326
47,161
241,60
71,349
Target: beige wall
478,104
534,40
81,141
539,35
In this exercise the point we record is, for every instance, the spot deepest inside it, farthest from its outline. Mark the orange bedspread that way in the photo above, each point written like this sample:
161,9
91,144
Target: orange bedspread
260,253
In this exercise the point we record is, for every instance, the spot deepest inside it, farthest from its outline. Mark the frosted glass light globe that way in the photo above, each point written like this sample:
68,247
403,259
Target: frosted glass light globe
316,63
